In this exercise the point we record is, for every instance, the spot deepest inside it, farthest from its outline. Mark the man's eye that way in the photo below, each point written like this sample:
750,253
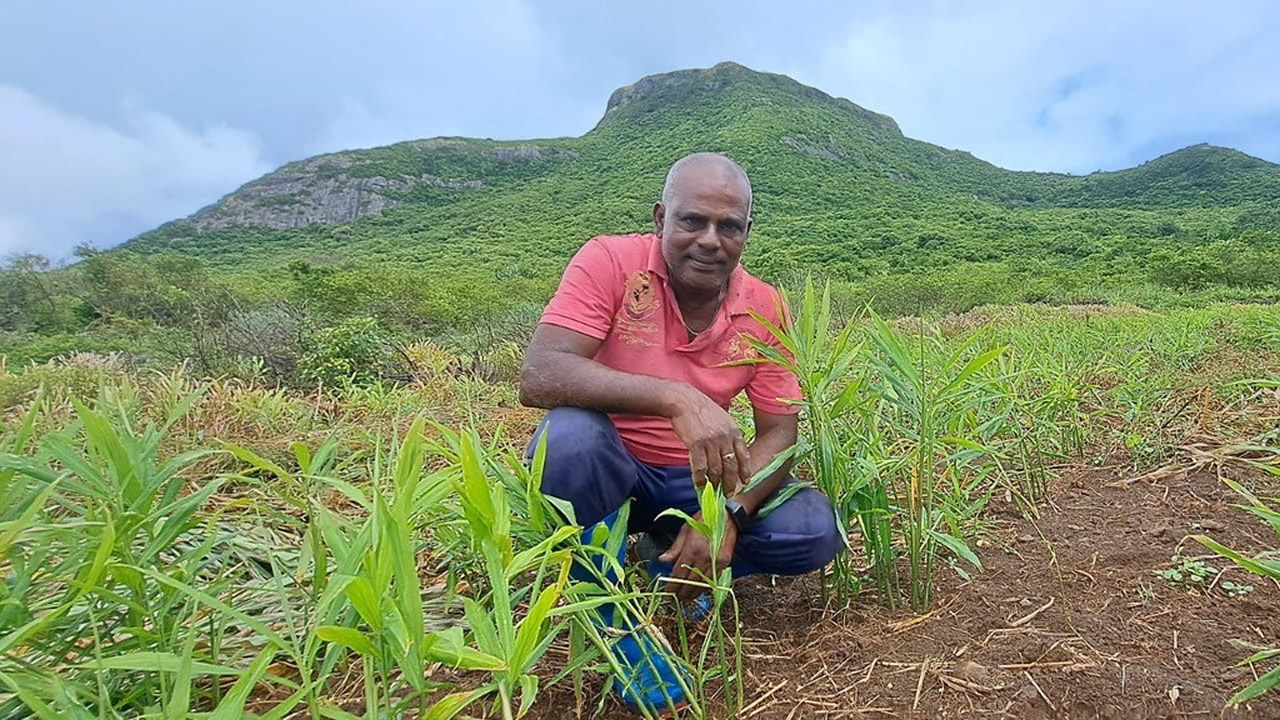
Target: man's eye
693,223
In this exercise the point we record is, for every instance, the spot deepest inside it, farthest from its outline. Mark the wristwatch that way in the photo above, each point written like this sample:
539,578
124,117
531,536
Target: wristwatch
738,512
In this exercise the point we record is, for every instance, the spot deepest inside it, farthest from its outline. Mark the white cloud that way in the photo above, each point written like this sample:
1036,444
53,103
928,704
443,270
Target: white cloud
1070,86
442,69
69,180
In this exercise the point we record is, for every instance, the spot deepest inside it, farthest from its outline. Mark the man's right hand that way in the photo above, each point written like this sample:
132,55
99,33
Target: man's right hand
717,452
559,370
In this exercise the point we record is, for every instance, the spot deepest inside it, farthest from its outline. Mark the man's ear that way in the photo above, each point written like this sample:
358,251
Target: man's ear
659,218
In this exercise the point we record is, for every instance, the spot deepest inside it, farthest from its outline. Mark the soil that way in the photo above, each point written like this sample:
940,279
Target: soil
1067,620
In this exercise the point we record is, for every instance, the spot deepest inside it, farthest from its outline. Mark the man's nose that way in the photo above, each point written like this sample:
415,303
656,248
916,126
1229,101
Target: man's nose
709,238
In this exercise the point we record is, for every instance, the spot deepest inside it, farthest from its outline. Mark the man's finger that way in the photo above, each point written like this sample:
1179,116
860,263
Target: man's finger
676,548
731,478
685,590
724,556
701,573
680,571
744,460
734,473
715,465
698,464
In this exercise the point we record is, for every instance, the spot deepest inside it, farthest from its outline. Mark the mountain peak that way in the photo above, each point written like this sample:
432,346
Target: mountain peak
1206,153
693,85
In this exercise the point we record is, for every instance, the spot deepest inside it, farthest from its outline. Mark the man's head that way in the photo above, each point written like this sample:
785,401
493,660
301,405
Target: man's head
704,219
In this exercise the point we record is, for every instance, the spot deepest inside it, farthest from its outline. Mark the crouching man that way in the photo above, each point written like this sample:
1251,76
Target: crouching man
629,358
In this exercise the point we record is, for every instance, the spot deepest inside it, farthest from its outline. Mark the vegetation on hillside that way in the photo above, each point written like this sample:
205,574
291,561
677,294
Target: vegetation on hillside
485,227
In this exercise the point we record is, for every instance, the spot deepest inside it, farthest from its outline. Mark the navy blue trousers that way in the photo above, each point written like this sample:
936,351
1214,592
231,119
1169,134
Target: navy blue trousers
588,466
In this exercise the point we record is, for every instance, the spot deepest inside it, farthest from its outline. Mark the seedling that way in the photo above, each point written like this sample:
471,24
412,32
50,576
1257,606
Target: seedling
1188,573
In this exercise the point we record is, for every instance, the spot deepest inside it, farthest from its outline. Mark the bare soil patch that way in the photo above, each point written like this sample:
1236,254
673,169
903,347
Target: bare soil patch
1068,620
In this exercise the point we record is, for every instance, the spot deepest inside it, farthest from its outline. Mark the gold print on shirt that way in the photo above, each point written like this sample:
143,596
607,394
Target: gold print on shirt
635,321
738,348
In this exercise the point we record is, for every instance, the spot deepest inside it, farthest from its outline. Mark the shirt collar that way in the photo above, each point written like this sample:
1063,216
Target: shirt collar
734,301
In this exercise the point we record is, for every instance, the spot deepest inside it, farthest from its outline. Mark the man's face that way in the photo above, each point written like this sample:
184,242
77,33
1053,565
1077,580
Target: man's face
704,227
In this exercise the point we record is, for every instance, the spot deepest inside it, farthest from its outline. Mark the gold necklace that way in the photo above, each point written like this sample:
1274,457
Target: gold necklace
695,333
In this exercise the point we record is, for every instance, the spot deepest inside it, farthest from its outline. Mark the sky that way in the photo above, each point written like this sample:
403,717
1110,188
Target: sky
116,117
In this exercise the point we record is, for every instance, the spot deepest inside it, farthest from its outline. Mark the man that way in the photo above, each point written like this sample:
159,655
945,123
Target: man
630,358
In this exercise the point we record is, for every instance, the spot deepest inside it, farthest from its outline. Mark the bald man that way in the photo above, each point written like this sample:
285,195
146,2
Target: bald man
630,357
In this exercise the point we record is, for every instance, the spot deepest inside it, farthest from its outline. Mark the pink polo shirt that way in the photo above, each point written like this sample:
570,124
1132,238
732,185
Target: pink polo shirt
615,290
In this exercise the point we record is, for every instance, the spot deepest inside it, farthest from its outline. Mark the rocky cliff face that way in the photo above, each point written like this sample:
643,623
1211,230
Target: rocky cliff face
318,190
343,187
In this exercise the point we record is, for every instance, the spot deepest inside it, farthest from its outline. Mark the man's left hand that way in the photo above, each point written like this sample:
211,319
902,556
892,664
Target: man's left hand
690,555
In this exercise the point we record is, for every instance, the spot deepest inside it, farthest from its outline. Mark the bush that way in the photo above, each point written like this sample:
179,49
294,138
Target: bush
354,351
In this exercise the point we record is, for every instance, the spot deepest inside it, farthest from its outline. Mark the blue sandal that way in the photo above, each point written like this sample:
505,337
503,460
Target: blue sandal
648,679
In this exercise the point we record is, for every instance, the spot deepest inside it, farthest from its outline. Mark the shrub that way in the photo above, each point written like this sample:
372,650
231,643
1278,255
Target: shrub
356,351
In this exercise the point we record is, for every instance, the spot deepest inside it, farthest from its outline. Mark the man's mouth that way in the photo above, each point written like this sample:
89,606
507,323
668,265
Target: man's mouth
703,264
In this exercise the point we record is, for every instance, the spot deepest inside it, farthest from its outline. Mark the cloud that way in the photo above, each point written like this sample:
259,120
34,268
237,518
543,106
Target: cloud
69,180
438,68
1069,86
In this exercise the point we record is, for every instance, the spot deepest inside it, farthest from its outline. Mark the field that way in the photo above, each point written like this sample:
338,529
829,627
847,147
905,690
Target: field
1052,512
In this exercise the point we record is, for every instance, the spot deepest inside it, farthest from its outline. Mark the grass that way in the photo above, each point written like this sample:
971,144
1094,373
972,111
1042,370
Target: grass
178,547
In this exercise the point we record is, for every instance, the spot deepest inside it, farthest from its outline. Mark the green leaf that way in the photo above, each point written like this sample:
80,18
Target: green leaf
450,705
302,454
957,546
530,631
533,486
701,527
1260,656
349,638
781,496
286,706
30,699
108,443
232,705
503,617
257,461
28,468
149,661
969,445
528,693
351,492
408,468
790,454
974,366
408,586
532,557
1256,565
209,601
447,650
9,531
482,628
180,699
366,602
1267,682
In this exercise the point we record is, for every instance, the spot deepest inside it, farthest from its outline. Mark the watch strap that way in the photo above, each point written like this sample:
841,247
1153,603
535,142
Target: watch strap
739,514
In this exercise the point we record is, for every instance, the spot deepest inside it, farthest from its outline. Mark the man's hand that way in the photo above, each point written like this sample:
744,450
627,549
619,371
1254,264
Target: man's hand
717,452
690,555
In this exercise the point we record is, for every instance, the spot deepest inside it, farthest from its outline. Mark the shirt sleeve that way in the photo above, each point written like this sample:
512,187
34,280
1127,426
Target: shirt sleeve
587,298
772,386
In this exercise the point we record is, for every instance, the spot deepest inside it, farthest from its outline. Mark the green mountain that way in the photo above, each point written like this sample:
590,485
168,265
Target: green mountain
839,190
